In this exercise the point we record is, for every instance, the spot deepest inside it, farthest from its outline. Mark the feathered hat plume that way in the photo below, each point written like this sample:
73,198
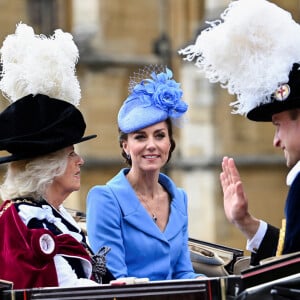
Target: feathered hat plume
250,51
38,78
30,65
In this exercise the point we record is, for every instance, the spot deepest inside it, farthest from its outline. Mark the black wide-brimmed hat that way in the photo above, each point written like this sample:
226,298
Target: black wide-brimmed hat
38,125
286,97
39,80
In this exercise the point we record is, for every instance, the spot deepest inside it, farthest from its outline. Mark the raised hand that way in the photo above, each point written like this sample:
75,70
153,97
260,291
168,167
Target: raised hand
235,200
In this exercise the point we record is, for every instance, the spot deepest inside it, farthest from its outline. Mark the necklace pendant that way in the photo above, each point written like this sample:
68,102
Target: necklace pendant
154,218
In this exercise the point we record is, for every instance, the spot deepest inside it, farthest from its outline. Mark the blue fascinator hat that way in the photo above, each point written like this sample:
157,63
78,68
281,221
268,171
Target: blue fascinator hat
151,100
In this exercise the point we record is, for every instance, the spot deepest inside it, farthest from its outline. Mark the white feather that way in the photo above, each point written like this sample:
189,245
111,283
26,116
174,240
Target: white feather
250,51
36,64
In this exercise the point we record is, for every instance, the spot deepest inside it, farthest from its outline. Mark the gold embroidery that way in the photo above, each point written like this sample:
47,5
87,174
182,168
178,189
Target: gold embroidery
26,200
281,238
5,207
10,202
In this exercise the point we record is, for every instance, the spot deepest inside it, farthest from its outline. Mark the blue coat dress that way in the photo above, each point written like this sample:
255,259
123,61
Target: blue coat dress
116,218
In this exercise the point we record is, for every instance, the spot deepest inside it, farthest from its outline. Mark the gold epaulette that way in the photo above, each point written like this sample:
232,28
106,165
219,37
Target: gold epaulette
281,238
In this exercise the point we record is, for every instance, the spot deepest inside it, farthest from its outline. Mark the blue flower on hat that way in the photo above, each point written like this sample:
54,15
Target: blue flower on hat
163,92
151,101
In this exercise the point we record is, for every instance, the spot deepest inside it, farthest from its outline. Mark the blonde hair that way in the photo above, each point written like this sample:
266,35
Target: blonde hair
30,178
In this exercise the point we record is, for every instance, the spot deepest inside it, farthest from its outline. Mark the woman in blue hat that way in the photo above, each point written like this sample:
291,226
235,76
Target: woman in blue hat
140,213
40,243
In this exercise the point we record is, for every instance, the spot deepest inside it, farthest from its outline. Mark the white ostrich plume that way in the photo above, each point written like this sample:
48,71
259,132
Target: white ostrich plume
249,51
36,64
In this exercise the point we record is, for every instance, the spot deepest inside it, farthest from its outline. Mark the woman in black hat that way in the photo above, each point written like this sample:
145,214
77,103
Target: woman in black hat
40,243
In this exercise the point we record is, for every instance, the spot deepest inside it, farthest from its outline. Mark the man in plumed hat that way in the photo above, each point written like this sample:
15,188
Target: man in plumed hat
253,51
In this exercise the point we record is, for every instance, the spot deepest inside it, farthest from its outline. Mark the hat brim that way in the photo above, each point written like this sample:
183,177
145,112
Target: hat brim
139,117
264,113
16,157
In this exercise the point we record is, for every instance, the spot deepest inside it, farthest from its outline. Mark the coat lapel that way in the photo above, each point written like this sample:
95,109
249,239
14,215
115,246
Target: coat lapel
134,212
